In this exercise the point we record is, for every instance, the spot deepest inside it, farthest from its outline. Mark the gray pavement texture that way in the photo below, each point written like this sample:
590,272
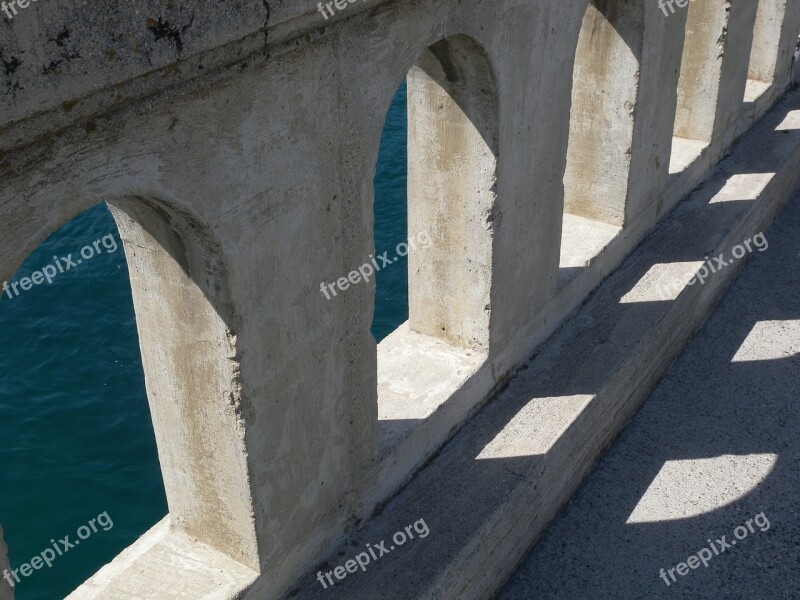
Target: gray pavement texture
716,443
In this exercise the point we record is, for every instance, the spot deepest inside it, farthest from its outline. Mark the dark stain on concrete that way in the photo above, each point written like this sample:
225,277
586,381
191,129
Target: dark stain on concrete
10,67
62,53
163,30
61,38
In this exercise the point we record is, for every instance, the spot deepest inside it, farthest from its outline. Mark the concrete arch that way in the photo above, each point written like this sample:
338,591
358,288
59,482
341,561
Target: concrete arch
187,333
604,96
453,142
186,325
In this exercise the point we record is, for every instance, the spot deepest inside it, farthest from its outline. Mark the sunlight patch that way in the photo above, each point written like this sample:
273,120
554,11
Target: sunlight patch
770,340
689,488
663,281
536,428
791,122
743,186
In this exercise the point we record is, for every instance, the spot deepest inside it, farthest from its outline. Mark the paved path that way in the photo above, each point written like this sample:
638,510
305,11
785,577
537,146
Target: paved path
717,443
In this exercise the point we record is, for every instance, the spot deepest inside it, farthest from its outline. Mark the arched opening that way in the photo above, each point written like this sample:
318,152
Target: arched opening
452,176
77,434
391,218
698,85
452,145
187,332
188,367
765,49
604,95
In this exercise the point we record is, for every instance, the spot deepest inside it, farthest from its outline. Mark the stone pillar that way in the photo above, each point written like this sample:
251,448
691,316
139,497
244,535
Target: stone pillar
191,367
653,117
785,68
704,53
452,133
766,40
604,96
6,591
734,56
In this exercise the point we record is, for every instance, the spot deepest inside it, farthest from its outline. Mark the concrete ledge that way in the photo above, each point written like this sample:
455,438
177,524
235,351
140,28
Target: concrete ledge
167,560
582,240
417,374
714,444
496,485
684,153
75,69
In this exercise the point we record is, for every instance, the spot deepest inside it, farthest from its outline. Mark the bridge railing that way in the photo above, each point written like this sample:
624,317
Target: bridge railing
545,140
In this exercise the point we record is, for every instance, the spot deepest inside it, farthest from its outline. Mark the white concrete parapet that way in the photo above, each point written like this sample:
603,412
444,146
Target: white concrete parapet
542,149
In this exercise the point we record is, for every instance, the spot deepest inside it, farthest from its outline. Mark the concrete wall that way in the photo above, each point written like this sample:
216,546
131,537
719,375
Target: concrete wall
701,69
766,44
452,172
604,95
241,178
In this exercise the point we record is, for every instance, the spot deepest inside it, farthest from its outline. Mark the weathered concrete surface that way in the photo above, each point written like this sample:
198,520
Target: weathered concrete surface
717,443
242,176
197,572
498,482
701,68
6,592
452,174
66,61
181,315
766,45
604,97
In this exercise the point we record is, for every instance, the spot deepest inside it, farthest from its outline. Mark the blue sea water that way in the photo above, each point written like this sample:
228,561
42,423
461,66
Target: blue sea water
391,219
76,437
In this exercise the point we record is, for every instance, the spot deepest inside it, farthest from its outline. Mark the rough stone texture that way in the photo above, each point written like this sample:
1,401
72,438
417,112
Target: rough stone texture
701,68
184,317
168,564
766,45
452,172
237,148
715,445
604,95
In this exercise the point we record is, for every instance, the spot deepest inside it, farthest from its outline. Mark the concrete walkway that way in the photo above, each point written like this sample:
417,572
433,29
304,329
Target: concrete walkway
717,443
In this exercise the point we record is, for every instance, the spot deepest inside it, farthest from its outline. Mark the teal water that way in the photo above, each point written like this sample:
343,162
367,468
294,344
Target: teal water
391,219
76,438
